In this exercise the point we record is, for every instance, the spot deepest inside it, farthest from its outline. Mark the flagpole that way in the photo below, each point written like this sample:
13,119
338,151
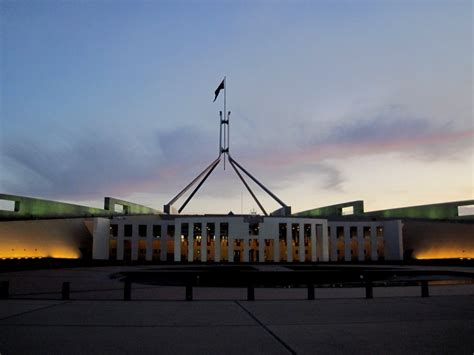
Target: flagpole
225,117
220,133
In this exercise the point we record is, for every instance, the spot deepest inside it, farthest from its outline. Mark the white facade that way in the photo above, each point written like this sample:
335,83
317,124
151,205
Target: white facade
229,238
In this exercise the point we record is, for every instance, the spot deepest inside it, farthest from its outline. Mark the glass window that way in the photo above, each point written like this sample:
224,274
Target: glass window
142,230
113,230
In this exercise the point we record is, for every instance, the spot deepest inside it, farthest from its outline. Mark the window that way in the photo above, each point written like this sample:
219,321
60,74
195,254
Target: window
467,210
157,231
254,229
7,205
113,230
142,230
127,230
346,211
118,208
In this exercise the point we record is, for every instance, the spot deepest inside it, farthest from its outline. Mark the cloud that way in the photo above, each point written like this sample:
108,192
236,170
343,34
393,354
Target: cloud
85,165
387,130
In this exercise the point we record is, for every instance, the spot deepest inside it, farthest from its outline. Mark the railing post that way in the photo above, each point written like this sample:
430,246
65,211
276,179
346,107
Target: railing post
310,291
369,292
250,292
4,285
127,290
65,290
424,289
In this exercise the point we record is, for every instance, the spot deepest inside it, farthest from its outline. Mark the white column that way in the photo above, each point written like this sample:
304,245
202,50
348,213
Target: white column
100,240
373,242
334,242
230,249
204,242
217,242
246,249
120,242
164,242
301,243
177,241
313,243
149,242
393,240
289,243
134,240
120,248
324,242
347,243
276,249
360,243
191,242
261,249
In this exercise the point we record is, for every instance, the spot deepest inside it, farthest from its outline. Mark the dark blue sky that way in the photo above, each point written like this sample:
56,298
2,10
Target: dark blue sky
330,100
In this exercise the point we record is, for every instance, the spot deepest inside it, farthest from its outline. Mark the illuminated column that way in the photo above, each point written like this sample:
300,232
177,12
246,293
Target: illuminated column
276,249
204,242
360,243
217,242
177,241
301,243
325,242
313,243
289,243
261,249
373,242
333,242
347,243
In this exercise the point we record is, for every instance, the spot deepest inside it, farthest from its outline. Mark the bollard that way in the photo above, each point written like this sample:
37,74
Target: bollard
127,290
310,291
369,292
250,292
65,290
4,290
424,289
189,291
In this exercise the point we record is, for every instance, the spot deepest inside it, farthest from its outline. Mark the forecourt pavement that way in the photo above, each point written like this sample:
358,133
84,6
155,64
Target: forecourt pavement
220,321
385,325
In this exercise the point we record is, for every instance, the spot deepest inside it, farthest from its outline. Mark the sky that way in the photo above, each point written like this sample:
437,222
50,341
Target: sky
331,101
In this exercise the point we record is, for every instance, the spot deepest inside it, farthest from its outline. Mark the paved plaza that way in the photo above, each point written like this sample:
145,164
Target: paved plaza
221,321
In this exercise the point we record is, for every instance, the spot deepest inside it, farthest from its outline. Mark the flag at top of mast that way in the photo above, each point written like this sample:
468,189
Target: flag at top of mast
219,88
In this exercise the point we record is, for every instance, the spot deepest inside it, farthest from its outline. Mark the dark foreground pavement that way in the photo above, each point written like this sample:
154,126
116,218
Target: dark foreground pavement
220,321
385,325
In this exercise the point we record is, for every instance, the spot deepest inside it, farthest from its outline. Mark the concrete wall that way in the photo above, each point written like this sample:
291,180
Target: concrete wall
438,240
35,208
58,238
333,210
437,211
28,208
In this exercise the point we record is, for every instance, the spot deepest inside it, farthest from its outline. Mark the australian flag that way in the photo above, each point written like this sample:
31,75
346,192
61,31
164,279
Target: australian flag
218,90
